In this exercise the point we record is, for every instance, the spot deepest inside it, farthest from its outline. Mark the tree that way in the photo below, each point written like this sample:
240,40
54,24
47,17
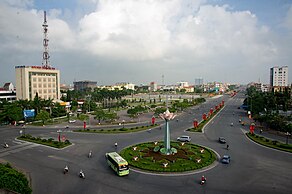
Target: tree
10,113
43,116
58,110
99,114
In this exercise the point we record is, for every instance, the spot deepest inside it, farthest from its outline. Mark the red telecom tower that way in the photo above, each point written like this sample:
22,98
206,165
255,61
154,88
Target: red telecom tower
46,56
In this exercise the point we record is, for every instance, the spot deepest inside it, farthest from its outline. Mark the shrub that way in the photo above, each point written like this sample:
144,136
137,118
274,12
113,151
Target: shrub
274,142
44,140
50,139
67,141
156,149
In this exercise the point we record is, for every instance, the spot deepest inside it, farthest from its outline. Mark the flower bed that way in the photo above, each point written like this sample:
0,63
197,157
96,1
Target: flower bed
189,157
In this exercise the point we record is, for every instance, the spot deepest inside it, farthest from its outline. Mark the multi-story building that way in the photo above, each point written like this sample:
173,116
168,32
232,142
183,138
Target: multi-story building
198,81
125,85
41,80
279,76
82,85
153,86
183,84
7,92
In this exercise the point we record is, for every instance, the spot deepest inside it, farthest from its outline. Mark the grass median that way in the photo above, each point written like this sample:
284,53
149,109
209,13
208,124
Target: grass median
118,130
13,180
48,142
270,143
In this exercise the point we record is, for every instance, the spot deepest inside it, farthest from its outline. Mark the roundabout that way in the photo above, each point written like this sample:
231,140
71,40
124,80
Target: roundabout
186,157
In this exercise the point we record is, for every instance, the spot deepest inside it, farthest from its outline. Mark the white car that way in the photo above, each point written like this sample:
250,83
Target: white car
72,121
184,138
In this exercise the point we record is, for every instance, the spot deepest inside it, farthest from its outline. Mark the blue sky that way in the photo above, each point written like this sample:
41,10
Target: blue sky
138,41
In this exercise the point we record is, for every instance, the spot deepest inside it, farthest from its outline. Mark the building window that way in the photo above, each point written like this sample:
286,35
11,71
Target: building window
40,85
34,85
45,91
49,85
45,85
44,79
34,79
40,79
49,79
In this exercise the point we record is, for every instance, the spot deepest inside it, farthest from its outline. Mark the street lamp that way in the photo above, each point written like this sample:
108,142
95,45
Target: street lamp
123,121
287,136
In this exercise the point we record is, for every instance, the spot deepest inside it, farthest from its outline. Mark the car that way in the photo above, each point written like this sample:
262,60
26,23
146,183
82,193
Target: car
225,159
72,121
222,140
184,138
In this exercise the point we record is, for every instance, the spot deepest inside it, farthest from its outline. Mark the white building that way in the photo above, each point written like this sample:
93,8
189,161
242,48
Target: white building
153,87
183,84
279,76
37,79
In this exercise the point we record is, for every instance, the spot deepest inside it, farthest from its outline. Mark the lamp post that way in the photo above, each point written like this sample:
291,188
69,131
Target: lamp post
287,136
167,116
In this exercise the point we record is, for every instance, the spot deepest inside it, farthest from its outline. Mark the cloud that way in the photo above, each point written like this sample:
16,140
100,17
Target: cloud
183,39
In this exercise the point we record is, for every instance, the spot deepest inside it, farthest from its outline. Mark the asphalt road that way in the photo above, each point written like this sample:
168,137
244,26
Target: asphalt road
253,168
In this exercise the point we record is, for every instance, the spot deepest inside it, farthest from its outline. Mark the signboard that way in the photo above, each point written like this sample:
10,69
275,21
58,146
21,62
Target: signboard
28,113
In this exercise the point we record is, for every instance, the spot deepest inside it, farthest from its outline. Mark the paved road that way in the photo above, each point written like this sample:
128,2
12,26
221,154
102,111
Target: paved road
253,168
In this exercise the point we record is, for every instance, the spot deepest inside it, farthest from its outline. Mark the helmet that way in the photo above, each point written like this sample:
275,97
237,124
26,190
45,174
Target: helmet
203,176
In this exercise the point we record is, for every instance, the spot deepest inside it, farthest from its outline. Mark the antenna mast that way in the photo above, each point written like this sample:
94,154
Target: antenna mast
46,56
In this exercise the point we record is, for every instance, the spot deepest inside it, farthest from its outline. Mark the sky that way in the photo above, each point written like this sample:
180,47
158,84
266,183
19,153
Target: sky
140,41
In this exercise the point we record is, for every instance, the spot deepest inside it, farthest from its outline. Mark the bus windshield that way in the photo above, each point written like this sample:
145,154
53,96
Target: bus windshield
123,167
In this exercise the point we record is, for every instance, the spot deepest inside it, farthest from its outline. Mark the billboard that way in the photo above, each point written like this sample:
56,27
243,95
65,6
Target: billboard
28,113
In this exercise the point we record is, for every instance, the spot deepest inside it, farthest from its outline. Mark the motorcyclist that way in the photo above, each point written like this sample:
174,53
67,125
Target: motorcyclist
116,144
6,145
203,179
227,146
81,174
90,154
231,124
66,169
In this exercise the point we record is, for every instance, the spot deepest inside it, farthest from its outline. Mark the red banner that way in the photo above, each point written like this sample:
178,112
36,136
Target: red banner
195,123
153,120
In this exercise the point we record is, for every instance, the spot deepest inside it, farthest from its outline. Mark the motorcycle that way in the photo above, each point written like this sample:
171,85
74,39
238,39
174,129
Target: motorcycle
81,174
90,154
231,124
6,145
66,170
203,180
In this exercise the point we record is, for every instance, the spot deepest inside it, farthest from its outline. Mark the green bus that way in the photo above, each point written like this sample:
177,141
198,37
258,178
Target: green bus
117,163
